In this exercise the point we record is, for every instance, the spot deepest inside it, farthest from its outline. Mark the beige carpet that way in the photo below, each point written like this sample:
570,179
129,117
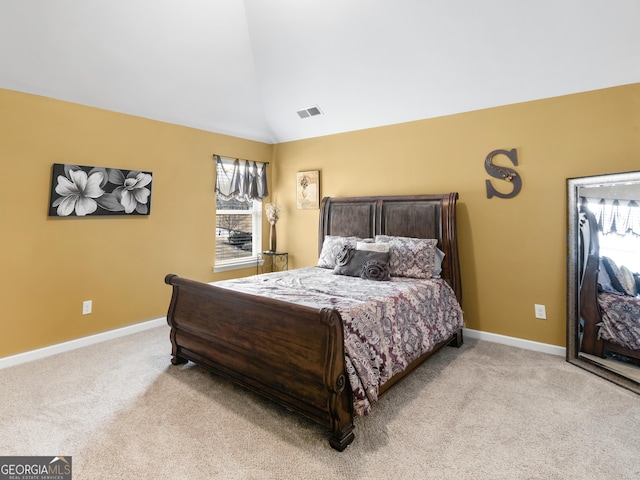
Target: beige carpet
484,411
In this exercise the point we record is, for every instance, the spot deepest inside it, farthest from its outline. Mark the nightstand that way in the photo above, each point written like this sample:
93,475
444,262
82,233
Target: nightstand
272,262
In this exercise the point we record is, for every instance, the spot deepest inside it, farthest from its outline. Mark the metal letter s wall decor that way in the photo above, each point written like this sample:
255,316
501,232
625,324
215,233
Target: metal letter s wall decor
503,173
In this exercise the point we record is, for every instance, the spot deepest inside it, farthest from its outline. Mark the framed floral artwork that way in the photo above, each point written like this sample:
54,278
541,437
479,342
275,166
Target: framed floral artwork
308,190
82,191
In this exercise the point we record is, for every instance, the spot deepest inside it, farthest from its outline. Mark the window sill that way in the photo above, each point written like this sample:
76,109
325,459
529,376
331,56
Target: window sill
248,262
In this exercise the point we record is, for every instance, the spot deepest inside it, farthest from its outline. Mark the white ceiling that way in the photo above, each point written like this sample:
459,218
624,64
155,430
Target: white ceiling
245,68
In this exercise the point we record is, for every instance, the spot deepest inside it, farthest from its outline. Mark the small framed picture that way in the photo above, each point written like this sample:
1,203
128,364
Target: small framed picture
308,190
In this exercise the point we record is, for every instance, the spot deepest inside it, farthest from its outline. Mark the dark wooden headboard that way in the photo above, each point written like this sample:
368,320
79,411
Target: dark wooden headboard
416,216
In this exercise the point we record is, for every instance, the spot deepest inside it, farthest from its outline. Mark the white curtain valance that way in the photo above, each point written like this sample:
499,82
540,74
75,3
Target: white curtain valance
616,216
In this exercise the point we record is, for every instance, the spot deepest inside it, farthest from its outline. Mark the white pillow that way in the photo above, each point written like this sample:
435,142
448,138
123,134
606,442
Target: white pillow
437,267
372,247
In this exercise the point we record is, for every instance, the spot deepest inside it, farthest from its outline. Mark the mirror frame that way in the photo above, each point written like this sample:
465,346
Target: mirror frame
573,303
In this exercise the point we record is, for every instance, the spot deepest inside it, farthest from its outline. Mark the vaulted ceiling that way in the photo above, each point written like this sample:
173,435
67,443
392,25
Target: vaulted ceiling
244,68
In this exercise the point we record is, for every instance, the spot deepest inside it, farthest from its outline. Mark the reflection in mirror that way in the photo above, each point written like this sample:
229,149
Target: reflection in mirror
603,276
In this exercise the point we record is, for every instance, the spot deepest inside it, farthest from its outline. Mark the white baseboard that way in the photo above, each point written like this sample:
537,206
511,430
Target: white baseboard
25,357
515,342
79,343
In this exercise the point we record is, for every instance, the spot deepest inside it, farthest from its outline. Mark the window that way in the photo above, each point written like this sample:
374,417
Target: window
238,228
622,249
618,230
239,193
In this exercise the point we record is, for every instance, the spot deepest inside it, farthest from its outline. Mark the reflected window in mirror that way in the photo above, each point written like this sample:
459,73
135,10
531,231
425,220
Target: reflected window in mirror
618,229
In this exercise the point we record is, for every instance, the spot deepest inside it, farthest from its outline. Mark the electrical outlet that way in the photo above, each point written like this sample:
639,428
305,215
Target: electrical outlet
87,306
541,311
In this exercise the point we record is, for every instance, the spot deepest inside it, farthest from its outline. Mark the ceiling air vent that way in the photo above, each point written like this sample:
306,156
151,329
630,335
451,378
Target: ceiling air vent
309,112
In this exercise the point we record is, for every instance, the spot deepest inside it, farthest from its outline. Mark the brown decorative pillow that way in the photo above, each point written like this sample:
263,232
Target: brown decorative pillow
362,263
410,257
621,277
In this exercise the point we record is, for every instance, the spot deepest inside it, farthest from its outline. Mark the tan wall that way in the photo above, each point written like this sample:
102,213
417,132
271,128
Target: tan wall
513,251
50,265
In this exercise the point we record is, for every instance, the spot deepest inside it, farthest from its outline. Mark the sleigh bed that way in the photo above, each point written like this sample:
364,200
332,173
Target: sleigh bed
609,301
329,355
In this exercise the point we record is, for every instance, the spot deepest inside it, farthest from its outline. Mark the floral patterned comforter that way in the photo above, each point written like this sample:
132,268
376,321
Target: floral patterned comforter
620,319
386,324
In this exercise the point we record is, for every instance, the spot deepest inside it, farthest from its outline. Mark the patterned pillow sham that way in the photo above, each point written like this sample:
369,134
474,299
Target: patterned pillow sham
410,257
621,277
366,264
332,246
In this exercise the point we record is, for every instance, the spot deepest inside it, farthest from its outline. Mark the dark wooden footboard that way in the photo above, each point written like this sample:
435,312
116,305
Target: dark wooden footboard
289,353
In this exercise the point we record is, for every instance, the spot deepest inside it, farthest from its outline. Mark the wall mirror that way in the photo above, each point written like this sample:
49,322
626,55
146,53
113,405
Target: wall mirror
603,276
